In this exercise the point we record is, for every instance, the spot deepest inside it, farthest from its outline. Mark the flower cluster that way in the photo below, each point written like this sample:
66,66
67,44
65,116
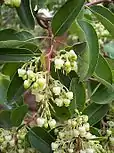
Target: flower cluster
13,142
75,137
32,79
66,61
56,93
102,33
47,91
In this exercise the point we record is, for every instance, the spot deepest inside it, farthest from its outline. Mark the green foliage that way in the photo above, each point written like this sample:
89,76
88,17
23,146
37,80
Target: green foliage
58,99
65,16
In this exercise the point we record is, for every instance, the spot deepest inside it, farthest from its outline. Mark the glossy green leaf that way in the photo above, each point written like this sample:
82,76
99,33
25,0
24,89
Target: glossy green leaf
15,90
5,121
25,14
60,113
109,49
103,95
103,70
78,90
95,112
18,114
63,19
90,56
15,55
10,69
105,16
40,139
11,34
95,131
78,47
4,83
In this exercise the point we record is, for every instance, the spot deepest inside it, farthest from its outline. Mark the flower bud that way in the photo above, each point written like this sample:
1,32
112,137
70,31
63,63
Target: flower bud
35,85
56,90
66,102
58,63
54,146
82,151
75,133
85,118
42,83
59,102
72,55
21,72
61,135
21,151
89,150
52,123
109,132
69,95
67,64
27,84
8,137
87,126
70,150
40,121
111,140
12,143
82,131
88,135
30,74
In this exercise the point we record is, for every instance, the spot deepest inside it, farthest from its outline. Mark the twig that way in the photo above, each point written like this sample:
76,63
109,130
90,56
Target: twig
98,2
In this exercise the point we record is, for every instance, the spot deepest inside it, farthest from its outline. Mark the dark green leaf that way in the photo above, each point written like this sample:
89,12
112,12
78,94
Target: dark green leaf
105,16
78,95
61,113
109,49
78,47
15,55
103,70
25,14
18,114
40,139
15,89
95,112
65,16
89,60
103,95
95,131
4,83
10,69
11,34
5,121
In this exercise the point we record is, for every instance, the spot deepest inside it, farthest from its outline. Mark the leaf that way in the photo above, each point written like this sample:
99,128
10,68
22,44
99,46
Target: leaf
10,69
25,14
5,121
15,55
63,19
60,113
95,131
103,70
15,90
109,49
18,114
95,112
78,47
11,34
78,90
40,139
103,95
105,16
4,82
90,56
